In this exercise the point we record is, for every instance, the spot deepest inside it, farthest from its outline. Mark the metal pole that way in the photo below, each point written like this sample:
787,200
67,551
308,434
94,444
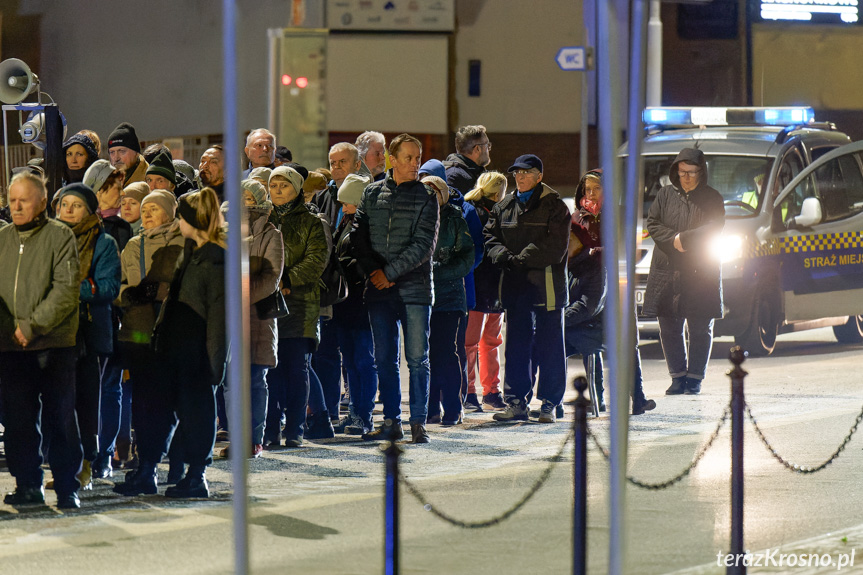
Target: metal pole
391,509
579,517
611,28
236,300
654,55
585,112
273,36
737,356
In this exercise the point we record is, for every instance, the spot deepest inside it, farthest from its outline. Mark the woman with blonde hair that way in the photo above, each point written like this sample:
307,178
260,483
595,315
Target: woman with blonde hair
189,337
483,336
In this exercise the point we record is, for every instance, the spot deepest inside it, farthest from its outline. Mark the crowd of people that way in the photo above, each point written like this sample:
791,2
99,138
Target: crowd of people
114,318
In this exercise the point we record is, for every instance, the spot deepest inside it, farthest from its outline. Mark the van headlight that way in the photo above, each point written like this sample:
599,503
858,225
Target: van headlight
726,248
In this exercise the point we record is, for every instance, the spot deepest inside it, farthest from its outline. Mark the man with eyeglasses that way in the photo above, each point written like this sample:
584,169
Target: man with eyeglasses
684,285
527,235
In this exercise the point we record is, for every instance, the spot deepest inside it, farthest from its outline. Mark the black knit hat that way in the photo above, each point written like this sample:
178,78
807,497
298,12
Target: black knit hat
163,166
124,135
84,141
81,191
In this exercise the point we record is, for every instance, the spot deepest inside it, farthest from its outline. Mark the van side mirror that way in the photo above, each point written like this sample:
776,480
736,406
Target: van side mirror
810,213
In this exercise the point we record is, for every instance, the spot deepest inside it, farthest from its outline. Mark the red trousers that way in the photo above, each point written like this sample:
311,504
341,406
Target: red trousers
481,343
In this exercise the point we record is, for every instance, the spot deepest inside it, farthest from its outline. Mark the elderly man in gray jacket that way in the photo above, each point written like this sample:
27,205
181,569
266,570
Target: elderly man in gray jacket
38,322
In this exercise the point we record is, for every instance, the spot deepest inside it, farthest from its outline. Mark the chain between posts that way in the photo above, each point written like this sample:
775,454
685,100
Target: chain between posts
679,477
803,468
418,495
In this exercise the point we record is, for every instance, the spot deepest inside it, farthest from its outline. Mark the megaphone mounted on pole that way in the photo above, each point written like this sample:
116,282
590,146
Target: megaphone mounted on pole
17,81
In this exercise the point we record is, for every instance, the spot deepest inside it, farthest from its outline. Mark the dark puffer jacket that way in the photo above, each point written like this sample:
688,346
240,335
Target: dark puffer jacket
395,229
352,312
306,255
452,260
529,241
461,172
487,274
191,325
688,283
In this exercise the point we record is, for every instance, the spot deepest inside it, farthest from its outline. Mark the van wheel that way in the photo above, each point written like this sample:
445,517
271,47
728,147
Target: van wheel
851,331
760,338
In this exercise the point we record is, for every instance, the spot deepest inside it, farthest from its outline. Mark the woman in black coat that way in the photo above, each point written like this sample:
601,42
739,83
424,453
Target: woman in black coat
190,336
684,285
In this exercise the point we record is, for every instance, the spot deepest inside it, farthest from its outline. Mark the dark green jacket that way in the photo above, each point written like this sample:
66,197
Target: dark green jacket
453,257
306,256
39,286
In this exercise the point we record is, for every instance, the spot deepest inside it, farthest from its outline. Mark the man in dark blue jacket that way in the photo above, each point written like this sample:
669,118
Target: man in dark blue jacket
527,235
394,235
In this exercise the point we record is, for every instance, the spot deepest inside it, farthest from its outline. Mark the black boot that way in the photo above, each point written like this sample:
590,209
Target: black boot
320,426
678,386
693,386
141,482
193,485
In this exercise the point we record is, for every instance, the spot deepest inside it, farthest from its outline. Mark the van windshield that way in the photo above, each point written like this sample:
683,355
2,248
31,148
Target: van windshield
740,180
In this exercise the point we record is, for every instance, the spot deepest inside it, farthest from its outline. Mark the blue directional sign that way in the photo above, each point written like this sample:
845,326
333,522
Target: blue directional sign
572,58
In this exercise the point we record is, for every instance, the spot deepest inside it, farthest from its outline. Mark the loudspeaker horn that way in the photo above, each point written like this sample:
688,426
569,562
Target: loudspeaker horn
16,81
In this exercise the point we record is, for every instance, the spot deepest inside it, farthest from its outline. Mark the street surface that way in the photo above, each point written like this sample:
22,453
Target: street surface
319,509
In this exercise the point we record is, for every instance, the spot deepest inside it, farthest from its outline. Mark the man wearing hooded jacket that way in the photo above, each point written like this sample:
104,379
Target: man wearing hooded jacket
684,285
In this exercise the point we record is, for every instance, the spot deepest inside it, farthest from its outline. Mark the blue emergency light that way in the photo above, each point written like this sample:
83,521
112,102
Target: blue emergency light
711,116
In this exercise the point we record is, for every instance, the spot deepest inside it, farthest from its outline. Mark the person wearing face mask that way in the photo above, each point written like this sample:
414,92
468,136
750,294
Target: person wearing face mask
99,272
80,153
148,264
305,257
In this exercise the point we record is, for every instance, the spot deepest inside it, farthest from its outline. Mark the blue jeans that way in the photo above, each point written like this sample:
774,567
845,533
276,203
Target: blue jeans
534,332
317,401
327,363
673,338
358,353
385,318
260,395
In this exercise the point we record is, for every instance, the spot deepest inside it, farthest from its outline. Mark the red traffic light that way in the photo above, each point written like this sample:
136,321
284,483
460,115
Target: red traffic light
302,82
286,80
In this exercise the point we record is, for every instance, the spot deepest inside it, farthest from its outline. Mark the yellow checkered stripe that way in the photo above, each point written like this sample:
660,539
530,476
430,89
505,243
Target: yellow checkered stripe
807,243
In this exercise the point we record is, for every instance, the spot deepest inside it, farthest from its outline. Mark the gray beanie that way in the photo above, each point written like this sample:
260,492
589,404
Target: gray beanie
97,174
137,191
256,188
261,174
352,188
186,169
289,174
164,199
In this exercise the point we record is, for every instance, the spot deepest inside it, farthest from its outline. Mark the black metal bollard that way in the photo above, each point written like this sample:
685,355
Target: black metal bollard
737,374
391,509
579,518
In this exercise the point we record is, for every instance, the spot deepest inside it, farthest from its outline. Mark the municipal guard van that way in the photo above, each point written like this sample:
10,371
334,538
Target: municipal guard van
792,245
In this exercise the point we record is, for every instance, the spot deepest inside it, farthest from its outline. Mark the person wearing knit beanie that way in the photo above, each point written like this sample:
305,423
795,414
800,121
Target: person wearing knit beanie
164,199
352,189
289,174
97,174
80,153
124,151
161,174
130,204
262,175
254,193
80,191
125,136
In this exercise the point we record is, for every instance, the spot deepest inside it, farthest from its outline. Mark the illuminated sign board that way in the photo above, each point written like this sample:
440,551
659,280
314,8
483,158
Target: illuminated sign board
814,11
